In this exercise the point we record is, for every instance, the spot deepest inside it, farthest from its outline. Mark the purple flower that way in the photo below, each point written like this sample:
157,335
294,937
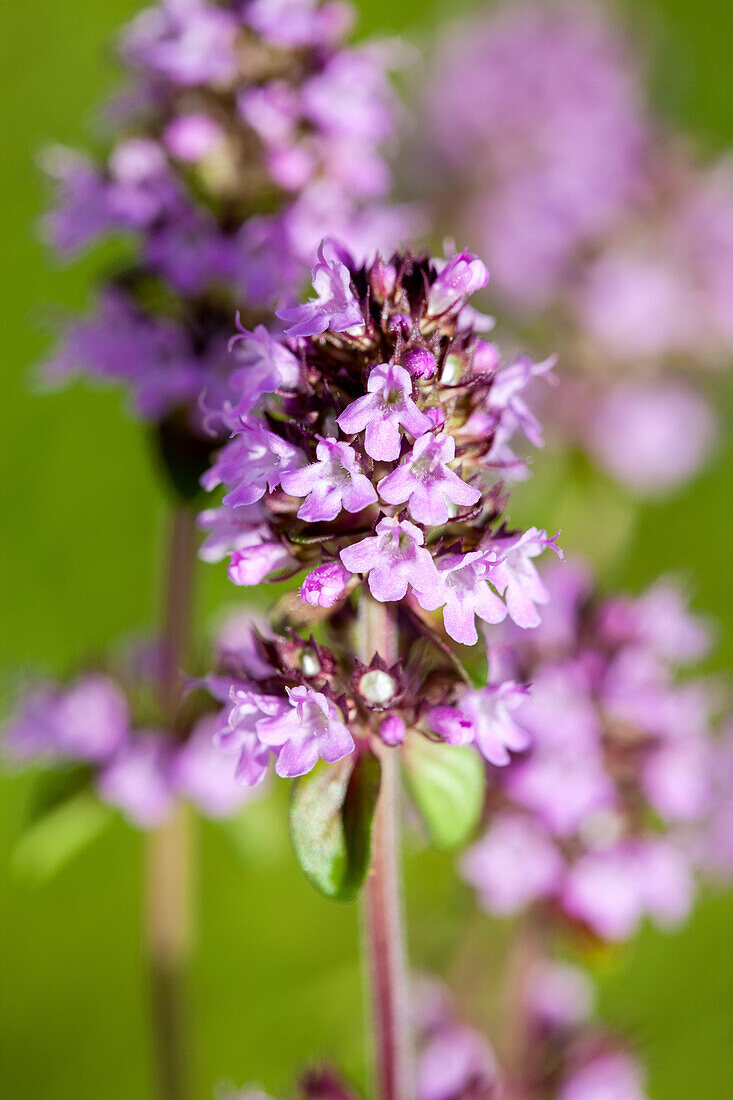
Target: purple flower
393,559
82,212
459,278
253,463
505,396
514,864
192,137
463,587
386,407
254,563
426,481
517,579
201,772
88,721
560,995
229,529
455,1059
326,585
138,781
266,366
612,1075
484,717
313,727
239,735
335,307
188,42
334,482
651,435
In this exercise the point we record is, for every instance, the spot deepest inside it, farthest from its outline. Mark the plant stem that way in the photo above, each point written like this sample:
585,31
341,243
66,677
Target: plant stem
168,939
384,935
168,873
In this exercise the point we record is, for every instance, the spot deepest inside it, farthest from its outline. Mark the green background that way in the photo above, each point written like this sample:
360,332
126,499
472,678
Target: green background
276,979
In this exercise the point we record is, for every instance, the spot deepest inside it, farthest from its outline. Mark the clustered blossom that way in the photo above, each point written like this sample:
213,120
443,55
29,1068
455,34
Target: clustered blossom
98,723
605,233
375,467
248,130
560,1053
597,818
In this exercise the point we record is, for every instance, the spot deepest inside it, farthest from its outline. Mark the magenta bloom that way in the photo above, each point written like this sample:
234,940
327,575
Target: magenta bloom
229,529
386,407
515,863
326,585
138,779
254,563
334,482
266,366
516,577
186,41
394,559
253,463
463,587
88,721
201,772
612,1075
459,277
651,435
426,482
239,736
313,727
335,307
484,717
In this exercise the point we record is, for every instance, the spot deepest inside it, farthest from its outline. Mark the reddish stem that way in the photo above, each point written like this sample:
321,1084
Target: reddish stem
168,872
384,935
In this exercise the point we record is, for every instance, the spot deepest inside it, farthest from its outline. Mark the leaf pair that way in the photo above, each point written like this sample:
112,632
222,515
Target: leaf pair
332,809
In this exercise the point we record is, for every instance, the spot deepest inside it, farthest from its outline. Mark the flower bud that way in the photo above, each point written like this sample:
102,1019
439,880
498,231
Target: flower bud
325,585
420,362
392,730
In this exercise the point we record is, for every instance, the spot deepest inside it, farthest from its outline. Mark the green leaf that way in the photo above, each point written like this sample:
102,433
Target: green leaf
59,834
331,814
446,783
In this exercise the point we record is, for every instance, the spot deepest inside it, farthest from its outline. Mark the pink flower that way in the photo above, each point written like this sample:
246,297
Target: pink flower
517,579
484,717
459,277
201,772
463,587
426,481
386,407
612,1075
266,366
326,585
335,307
334,482
394,559
514,864
229,529
254,563
253,463
239,735
88,721
313,727
138,780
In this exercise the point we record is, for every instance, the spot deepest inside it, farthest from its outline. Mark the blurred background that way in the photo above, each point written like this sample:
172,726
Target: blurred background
276,979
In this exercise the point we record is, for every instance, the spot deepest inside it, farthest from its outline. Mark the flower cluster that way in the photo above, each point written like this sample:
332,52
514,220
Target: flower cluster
365,448
248,130
595,820
560,1052
107,724
601,227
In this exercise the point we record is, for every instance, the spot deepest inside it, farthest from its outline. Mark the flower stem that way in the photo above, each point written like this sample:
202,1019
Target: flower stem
168,874
384,935
167,919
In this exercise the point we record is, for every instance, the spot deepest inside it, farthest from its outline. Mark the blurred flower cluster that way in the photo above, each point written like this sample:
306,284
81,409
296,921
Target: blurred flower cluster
597,820
604,231
246,133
